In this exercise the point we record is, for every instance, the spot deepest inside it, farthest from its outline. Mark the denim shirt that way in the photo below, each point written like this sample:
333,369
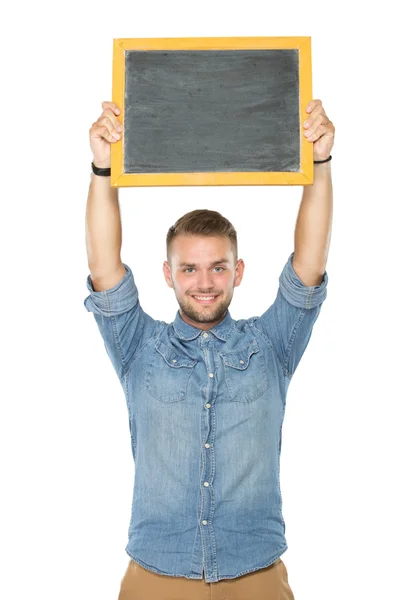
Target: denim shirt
205,415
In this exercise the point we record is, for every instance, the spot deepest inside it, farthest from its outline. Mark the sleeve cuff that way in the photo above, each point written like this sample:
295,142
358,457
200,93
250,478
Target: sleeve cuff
115,301
298,294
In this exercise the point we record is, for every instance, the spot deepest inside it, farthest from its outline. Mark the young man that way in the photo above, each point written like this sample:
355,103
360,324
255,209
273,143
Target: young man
206,393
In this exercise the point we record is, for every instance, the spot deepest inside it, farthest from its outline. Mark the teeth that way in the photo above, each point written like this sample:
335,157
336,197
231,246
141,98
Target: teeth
205,297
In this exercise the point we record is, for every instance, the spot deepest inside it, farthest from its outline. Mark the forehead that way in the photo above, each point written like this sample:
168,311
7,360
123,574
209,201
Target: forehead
200,248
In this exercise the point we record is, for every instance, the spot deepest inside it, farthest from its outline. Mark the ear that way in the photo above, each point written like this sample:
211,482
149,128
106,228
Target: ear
167,273
239,272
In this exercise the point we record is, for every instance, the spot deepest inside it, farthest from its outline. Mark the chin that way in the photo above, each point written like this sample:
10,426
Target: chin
206,314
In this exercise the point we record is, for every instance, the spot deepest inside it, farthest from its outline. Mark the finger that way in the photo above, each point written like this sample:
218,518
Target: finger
319,132
311,105
319,119
316,113
103,128
114,120
112,105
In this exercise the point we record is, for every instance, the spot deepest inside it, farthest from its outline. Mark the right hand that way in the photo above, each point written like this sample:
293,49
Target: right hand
105,130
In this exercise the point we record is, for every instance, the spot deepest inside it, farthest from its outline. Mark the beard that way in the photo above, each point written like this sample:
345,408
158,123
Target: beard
205,314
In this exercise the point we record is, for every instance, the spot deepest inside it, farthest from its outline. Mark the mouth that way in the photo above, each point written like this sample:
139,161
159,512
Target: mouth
205,299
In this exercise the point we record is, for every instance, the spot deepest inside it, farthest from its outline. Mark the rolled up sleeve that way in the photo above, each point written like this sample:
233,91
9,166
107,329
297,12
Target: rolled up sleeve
298,294
115,301
289,321
121,320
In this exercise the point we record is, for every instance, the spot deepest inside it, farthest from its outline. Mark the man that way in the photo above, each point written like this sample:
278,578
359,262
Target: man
206,393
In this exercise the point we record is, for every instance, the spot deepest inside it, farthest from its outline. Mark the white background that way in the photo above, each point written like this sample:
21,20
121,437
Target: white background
66,464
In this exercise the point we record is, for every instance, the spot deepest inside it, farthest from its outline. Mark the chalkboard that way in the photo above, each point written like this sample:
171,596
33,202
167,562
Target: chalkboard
212,111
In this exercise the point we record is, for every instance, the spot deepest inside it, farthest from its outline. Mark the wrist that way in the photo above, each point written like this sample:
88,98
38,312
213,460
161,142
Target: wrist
322,166
101,171
320,159
102,164
322,172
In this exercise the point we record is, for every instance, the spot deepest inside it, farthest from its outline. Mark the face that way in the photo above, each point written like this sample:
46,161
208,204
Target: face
203,267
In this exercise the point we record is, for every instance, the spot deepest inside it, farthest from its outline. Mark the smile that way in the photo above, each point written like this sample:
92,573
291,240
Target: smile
205,299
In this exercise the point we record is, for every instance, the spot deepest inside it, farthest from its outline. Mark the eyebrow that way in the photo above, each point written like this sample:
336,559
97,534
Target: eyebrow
216,262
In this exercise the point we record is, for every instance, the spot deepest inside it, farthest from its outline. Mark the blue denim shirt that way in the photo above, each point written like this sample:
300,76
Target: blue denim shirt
205,415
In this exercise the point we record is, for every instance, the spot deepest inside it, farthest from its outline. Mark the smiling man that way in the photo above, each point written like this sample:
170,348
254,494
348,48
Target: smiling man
206,394
202,267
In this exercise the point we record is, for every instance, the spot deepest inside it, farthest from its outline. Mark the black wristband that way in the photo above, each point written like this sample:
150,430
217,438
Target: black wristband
316,162
100,171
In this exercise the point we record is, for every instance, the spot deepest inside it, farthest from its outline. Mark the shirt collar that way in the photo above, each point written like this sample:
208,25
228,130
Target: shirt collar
188,332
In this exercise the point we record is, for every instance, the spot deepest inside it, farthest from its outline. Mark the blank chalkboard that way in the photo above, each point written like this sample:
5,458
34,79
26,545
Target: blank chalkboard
212,111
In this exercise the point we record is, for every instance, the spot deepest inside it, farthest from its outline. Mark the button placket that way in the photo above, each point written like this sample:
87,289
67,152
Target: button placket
206,340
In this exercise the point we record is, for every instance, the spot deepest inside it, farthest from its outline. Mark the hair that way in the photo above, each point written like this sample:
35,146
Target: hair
203,222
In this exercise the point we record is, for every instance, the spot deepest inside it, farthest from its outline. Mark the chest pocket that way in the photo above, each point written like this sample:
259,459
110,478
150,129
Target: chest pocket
245,372
168,374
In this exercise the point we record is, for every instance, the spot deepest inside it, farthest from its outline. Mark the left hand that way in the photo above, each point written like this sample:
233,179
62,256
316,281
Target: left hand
319,130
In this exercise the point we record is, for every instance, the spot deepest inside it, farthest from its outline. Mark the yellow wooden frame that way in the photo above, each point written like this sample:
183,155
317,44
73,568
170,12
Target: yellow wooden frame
306,174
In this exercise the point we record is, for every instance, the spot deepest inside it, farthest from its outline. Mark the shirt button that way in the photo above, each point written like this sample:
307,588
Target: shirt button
206,484
205,334
211,374
208,405
207,445
204,522
173,360
241,362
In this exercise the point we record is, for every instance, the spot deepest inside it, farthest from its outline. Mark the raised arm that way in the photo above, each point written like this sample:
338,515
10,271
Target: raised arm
289,321
314,220
103,219
114,298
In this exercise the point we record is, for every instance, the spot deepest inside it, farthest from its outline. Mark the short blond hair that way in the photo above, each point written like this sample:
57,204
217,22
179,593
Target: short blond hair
202,222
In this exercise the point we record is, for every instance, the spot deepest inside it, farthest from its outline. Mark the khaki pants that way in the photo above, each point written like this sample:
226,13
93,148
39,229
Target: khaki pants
270,583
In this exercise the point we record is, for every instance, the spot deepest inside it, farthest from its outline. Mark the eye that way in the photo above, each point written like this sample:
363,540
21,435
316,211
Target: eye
191,269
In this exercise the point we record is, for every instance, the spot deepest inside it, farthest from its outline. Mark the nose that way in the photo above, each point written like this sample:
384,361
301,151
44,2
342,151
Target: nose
205,282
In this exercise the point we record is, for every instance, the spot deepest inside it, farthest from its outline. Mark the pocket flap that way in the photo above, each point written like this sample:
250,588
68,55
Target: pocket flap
172,357
239,359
